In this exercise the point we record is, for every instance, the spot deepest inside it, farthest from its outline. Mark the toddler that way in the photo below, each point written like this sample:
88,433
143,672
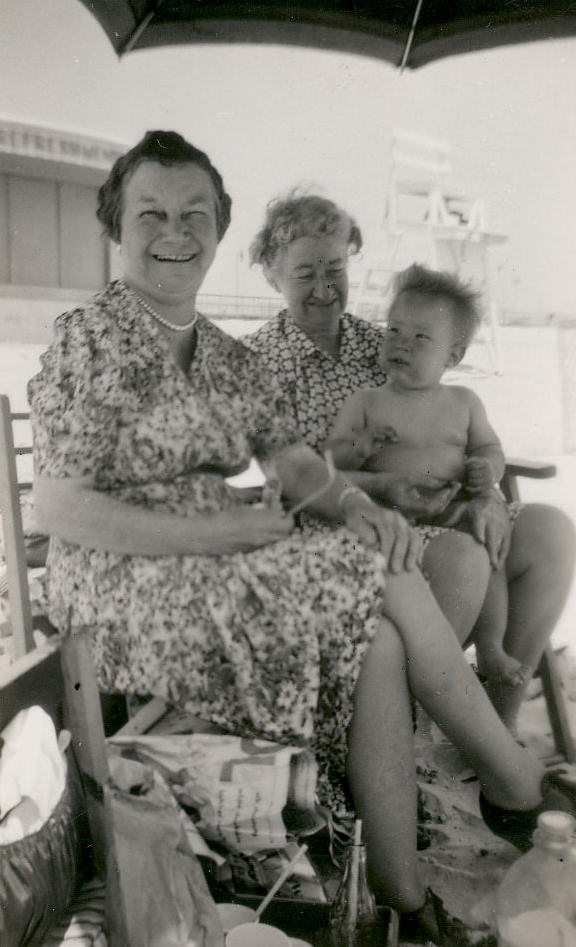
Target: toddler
414,424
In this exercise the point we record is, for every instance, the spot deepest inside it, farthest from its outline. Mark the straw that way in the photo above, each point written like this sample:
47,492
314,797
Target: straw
280,881
354,870
320,490
393,933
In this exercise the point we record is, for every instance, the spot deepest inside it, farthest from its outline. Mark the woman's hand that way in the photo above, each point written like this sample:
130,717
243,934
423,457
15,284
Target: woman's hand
490,523
384,530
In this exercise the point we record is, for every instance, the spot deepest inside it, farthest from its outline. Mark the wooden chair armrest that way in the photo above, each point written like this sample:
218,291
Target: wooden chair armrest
537,469
515,468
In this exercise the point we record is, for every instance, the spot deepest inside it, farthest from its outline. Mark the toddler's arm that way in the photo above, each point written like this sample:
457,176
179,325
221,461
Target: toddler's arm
485,462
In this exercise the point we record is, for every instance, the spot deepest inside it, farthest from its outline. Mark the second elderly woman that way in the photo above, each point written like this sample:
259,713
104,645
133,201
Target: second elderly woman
320,355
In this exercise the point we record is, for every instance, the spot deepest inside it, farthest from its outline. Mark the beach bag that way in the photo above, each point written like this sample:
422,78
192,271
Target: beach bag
40,872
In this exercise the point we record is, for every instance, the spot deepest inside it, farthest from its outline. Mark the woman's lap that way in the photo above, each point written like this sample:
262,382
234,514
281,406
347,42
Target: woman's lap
247,641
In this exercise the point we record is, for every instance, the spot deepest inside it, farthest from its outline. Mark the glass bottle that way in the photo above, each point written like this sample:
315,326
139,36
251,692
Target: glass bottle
536,900
354,915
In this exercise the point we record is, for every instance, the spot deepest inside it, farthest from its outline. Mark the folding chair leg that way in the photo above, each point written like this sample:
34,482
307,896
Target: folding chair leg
555,704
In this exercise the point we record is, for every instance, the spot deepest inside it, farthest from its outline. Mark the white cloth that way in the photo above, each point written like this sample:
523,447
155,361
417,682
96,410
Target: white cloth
32,773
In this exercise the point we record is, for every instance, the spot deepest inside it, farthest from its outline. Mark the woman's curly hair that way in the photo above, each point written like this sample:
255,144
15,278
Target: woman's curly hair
301,215
439,284
166,148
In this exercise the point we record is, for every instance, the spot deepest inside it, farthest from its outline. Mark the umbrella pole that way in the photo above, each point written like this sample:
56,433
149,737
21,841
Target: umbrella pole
139,29
410,39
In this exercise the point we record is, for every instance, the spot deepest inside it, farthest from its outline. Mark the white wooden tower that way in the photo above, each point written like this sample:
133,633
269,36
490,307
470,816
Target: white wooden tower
430,219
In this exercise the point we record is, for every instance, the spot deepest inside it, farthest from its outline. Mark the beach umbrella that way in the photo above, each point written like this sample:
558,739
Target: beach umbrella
407,33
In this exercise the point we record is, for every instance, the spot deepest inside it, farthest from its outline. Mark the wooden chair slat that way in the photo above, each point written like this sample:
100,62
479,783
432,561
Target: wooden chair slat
18,591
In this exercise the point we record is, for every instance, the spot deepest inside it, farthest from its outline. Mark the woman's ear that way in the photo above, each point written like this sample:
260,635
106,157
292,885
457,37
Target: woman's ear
270,278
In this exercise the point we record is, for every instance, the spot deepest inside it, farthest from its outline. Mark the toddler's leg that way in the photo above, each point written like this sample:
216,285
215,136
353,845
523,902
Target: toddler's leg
488,636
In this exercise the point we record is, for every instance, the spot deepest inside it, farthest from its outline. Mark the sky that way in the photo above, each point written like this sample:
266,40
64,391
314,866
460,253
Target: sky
272,118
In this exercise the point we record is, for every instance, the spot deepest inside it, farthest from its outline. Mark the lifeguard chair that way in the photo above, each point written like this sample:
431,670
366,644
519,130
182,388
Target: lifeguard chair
430,218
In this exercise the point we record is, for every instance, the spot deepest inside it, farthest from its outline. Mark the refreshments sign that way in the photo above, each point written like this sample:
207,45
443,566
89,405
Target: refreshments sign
33,141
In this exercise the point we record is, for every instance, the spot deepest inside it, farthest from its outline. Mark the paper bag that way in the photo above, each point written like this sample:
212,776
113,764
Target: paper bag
157,895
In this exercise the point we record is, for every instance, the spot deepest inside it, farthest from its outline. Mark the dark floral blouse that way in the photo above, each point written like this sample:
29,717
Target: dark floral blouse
317,384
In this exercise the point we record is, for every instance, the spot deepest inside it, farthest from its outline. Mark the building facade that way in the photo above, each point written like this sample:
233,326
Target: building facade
53,254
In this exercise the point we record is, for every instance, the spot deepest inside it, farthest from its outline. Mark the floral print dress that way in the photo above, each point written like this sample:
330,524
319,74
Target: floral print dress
267,642
315,383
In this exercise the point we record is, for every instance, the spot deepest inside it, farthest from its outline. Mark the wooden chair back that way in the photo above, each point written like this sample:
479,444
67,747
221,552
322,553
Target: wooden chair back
14,549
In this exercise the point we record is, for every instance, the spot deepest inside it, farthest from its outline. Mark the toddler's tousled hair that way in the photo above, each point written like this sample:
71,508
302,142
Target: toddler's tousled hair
440,284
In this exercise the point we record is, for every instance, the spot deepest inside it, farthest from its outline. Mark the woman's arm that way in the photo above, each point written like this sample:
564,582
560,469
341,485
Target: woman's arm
73,510
302,472
415,498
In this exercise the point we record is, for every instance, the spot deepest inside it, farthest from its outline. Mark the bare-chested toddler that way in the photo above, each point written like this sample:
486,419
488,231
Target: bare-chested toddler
416,425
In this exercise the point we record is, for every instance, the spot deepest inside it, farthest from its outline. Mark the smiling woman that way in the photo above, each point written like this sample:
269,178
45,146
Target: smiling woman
169,234
165,205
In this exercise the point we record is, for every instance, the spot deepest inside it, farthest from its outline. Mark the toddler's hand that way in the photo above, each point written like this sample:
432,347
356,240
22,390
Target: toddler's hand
386,435
479,476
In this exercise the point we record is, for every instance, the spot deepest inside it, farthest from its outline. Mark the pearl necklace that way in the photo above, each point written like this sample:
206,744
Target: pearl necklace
173,326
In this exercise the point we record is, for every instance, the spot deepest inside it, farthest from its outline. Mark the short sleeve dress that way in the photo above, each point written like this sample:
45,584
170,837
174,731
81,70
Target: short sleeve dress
267,643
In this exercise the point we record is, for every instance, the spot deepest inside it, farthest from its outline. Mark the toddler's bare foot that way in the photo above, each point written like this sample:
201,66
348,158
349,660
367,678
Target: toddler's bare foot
499,667
507,695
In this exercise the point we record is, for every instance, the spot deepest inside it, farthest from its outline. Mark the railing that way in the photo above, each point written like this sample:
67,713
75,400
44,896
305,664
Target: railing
223,306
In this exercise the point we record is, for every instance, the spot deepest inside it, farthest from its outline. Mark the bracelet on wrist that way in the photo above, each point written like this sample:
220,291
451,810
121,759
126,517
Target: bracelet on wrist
350,491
